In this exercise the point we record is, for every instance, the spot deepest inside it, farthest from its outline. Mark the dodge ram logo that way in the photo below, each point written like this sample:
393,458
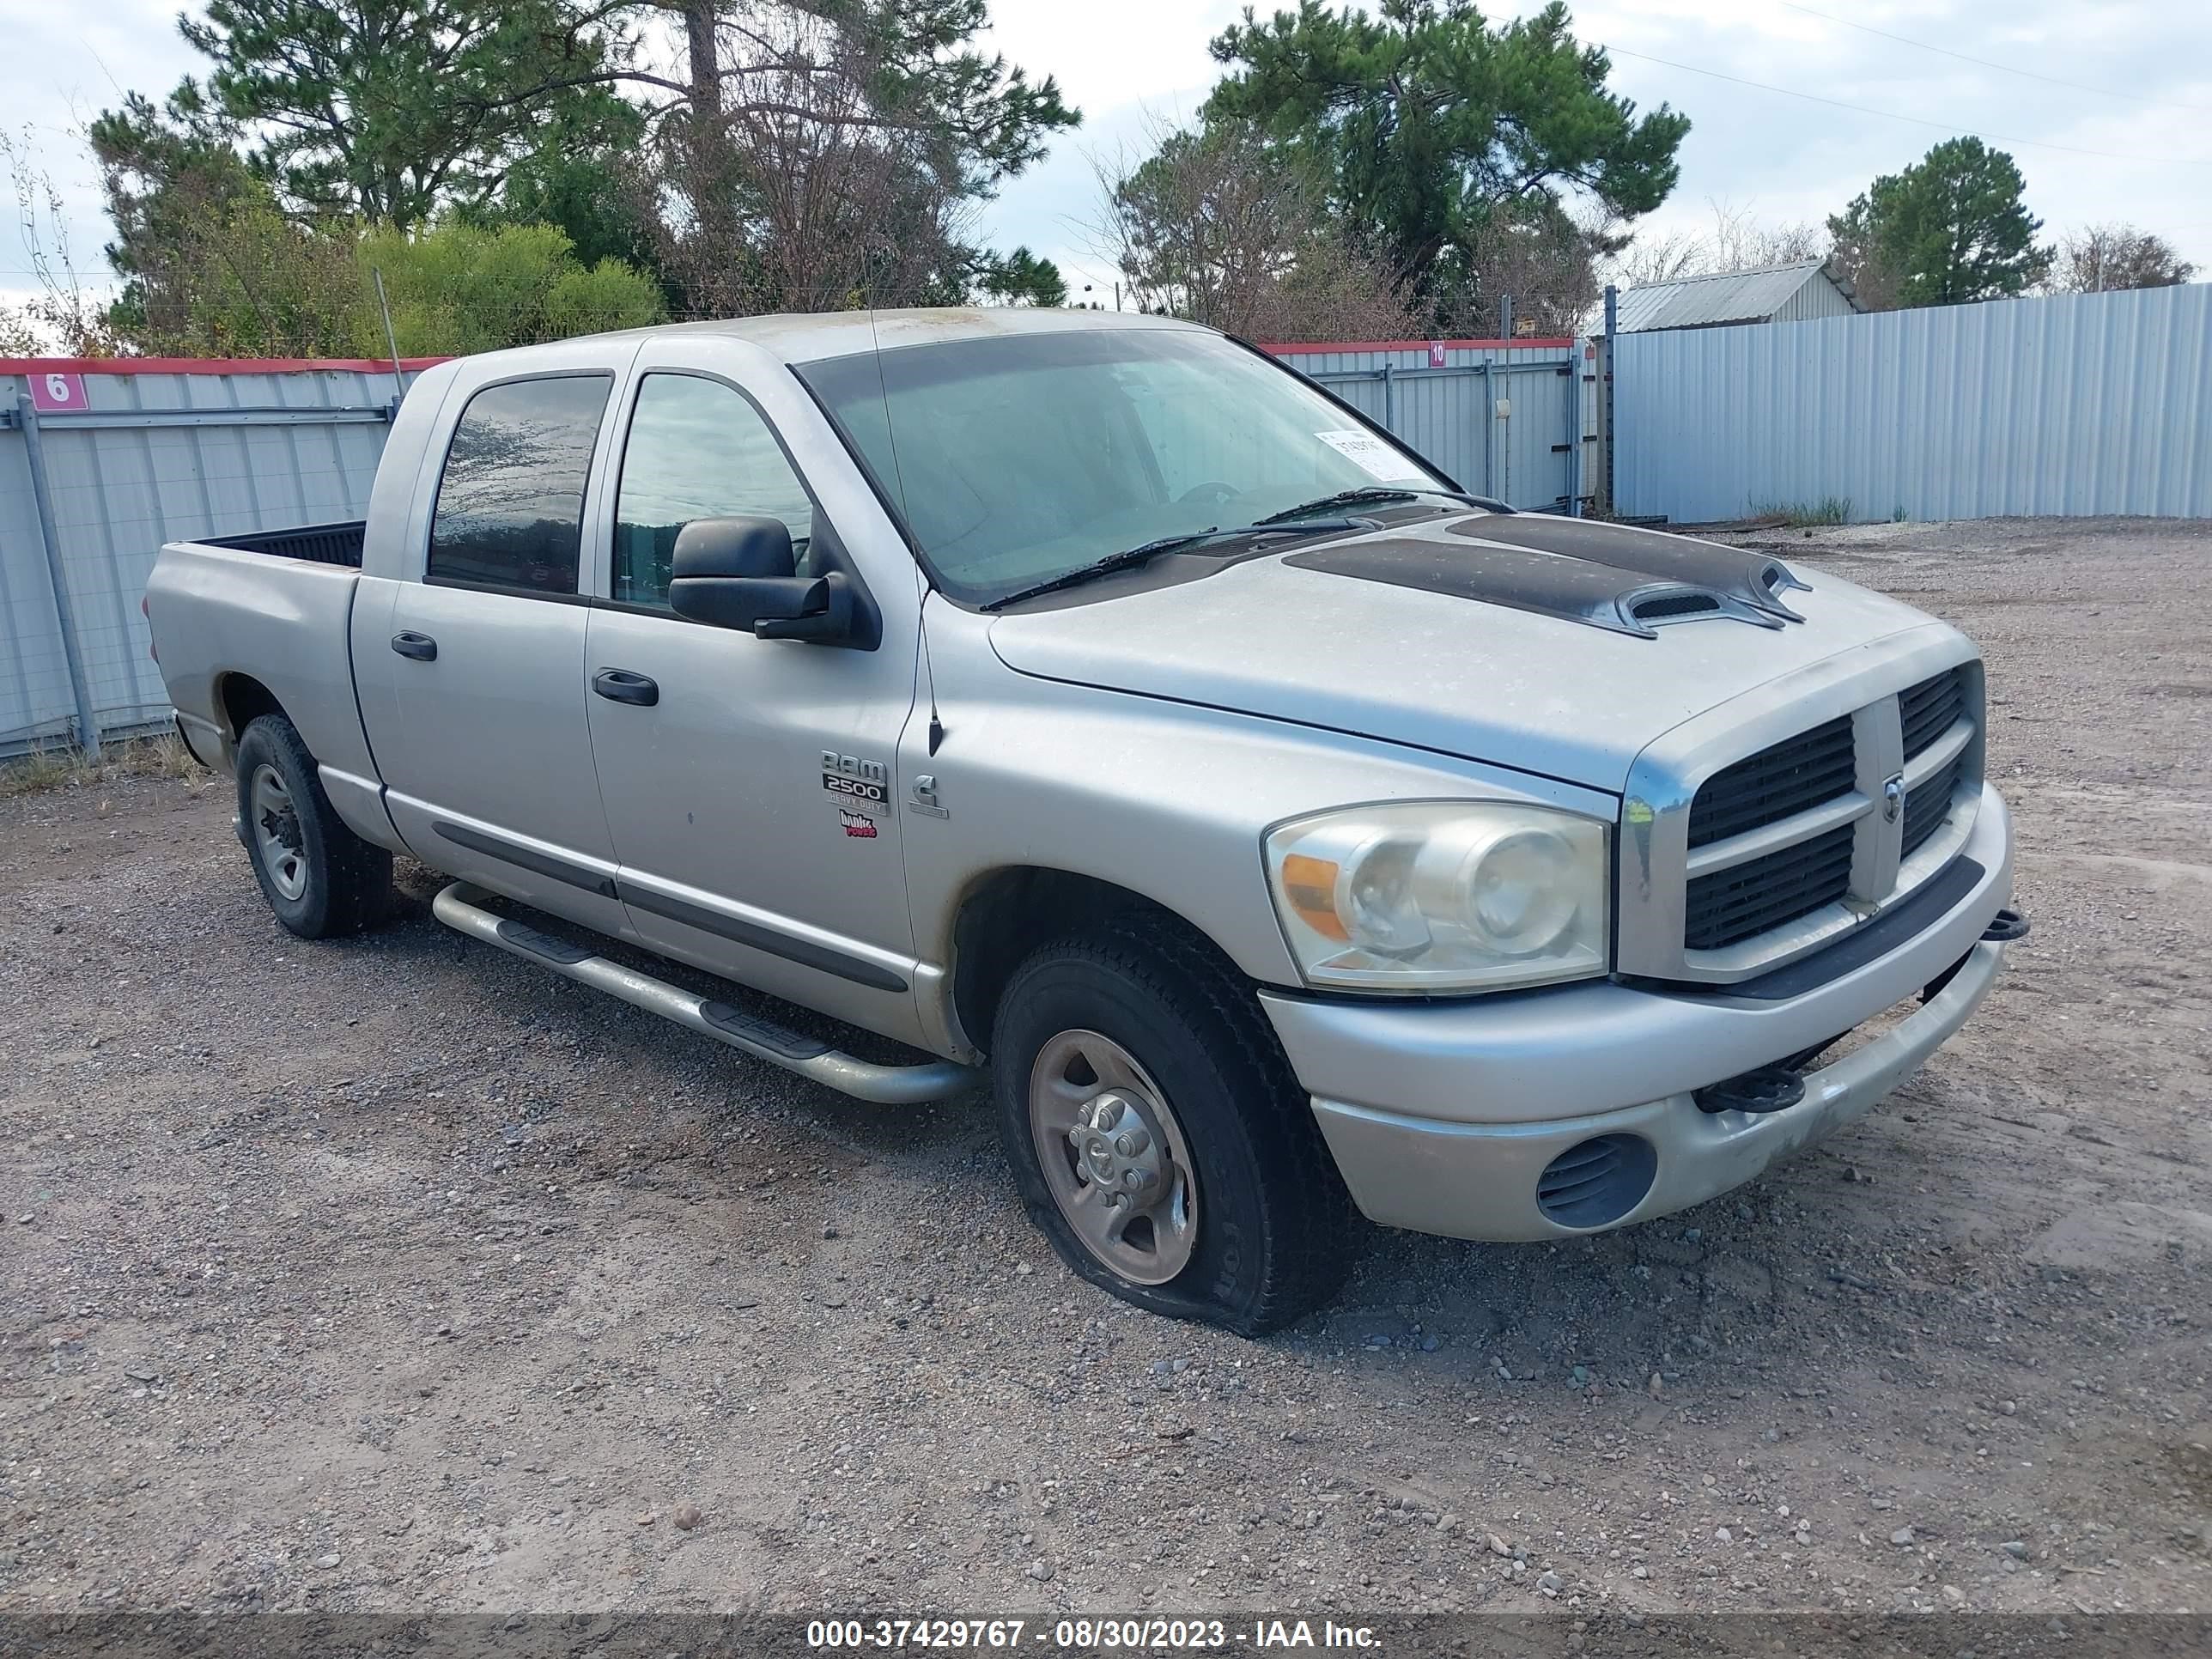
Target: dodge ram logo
851,766
1893,798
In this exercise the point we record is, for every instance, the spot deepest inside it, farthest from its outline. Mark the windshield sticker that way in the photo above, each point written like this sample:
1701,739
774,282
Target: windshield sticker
857,826
1372,453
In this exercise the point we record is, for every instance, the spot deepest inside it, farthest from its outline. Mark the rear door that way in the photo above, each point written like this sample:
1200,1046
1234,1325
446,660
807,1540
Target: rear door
751,798
484,744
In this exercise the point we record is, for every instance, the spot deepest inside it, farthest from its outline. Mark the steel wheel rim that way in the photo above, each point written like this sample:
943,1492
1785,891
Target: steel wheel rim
276,834
1089,1100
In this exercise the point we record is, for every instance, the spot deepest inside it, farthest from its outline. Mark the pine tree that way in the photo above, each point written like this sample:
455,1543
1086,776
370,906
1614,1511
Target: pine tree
1948,230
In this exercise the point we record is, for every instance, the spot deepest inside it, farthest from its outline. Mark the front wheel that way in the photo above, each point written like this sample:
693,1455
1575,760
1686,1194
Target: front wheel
319,877
1158,1135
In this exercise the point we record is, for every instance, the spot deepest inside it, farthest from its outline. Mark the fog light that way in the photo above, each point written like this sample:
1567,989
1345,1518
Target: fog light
1596,1182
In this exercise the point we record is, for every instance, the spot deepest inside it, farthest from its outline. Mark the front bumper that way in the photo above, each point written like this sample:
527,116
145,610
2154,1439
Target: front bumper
1444,1117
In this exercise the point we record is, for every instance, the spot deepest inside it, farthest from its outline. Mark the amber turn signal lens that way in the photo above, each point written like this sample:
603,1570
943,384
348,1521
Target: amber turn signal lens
1309,884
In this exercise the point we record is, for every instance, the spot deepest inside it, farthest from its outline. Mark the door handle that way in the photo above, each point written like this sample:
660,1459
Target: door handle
620,685
421,647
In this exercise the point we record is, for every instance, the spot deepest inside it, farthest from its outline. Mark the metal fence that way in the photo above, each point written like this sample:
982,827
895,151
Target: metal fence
2088,403
2085,404
100,464
1514,420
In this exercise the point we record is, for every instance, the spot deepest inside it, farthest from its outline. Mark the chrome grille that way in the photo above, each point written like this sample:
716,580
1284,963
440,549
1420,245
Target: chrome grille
1927,805
1927,710
1774,784
1736,903
1745,844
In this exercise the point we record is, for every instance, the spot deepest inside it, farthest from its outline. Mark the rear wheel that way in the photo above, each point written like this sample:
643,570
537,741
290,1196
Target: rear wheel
1158,1135
320,879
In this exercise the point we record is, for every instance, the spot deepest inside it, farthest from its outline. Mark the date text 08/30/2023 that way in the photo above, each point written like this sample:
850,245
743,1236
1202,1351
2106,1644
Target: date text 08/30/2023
1135,1635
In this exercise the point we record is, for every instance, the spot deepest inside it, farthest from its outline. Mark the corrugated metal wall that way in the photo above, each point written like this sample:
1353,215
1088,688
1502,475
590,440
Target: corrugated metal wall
156,457
2085,404
169,456
1449,414
1816,299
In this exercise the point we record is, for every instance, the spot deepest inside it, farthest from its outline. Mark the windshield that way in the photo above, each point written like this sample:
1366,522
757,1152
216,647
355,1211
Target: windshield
1019,459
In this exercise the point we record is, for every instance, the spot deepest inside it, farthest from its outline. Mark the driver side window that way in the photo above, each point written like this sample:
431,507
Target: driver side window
696,450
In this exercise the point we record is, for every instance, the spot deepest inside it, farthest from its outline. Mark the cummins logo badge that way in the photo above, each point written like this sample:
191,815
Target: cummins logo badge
1893,798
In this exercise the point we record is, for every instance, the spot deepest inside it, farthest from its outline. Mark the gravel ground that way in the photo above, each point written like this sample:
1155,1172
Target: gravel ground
395,1275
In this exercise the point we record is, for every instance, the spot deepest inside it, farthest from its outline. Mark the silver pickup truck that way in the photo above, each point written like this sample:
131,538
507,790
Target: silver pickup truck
1090,698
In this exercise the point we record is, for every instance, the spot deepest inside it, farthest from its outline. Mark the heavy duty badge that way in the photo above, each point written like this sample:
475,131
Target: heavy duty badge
863,784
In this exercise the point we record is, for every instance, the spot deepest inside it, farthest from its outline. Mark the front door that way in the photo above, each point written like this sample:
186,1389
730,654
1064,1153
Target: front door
750,789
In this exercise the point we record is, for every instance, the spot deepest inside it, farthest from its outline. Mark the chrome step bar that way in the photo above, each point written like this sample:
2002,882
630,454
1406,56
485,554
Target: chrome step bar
458,905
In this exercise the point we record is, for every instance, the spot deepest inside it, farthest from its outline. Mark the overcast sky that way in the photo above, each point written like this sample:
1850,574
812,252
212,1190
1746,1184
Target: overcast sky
2139,149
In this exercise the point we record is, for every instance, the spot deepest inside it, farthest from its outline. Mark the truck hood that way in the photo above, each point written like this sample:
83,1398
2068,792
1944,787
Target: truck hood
1513,641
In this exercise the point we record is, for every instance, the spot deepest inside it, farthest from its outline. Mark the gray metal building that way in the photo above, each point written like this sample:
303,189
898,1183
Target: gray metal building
2073,405
1795,293
101,461
2078,405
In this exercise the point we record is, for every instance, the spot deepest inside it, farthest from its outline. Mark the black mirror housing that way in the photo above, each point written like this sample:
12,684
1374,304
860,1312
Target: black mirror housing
749,544
740,573
771,607
745,602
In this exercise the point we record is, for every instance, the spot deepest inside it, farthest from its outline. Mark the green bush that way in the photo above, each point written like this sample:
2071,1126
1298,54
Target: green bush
243,279
609,295
459,288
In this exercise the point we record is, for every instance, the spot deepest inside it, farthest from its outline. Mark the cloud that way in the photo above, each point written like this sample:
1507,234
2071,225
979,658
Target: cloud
1792,159
1125,67
63,65
1784,158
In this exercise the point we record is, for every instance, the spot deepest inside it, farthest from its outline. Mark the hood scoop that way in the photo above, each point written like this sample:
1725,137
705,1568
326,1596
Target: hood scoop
1666,606
1610,576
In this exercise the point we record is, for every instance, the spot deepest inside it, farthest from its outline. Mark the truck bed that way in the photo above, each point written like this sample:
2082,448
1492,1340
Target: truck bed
318,544
243,621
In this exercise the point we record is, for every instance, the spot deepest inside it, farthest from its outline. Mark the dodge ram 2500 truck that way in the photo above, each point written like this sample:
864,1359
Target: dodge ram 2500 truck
1091,698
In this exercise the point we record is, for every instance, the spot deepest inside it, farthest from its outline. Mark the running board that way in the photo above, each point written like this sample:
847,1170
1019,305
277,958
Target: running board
457,905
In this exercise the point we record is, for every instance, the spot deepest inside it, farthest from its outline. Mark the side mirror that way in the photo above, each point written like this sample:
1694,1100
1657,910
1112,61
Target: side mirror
740,573
751,545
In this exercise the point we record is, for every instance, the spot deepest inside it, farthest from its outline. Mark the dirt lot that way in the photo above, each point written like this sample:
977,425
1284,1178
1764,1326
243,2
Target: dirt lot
395,1275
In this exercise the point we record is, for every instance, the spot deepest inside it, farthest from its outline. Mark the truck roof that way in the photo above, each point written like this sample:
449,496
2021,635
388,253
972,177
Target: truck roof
807,337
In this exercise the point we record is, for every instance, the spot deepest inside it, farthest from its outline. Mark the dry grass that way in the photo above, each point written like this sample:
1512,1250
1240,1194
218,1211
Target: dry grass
57,766
1799,515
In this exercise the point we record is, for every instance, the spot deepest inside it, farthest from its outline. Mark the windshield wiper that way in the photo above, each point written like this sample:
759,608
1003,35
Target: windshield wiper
1147,551
1376,494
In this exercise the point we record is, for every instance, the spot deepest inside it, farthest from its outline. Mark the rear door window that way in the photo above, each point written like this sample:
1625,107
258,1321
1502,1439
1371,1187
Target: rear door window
510,508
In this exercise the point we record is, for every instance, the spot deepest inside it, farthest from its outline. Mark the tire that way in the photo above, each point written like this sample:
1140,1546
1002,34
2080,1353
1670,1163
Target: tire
321,880
1257,1231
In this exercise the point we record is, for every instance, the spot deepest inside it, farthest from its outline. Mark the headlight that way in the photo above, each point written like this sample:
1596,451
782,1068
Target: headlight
1433,897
